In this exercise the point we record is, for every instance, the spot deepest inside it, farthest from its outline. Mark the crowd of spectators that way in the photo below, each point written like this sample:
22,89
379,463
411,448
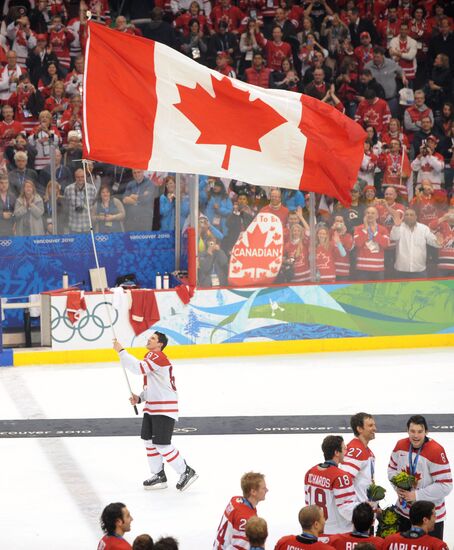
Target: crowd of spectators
372,239
386,64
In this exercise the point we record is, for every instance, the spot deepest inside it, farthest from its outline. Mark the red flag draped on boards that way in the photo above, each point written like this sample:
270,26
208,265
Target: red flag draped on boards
149,107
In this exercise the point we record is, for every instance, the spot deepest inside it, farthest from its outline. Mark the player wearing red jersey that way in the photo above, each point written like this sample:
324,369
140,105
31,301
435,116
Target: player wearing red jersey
331,488
422,519
359,460
231,531
115,522
425,459
363,520
312,523
160,412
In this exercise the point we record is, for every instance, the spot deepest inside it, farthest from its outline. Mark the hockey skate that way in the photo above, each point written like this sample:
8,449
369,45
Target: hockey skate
158,481
187,478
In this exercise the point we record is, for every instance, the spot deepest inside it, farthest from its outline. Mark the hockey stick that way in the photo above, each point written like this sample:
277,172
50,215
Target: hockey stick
95,252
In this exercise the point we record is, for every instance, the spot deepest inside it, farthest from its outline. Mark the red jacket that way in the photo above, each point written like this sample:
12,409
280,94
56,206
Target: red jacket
342,263
324,259
258,78
429,209
446,252
231,15
376,114
371,252
275,53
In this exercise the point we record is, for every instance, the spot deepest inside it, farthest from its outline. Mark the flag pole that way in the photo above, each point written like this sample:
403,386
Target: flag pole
95,252
312,221
177,203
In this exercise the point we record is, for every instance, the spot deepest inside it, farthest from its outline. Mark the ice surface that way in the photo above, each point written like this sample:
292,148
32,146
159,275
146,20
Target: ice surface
53,490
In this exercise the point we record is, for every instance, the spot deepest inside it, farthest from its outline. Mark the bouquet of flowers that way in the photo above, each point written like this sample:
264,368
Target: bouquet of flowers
405,481
375,492
388,522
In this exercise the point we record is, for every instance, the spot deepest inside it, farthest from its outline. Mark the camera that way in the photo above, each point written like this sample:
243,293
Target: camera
75,80
79,209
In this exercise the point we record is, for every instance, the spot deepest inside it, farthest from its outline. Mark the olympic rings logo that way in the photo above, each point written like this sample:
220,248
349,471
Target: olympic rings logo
90,327
184,430
6,242
102,238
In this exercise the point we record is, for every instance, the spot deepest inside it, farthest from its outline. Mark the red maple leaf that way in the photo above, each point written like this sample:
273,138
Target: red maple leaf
229,118
416,474
256,254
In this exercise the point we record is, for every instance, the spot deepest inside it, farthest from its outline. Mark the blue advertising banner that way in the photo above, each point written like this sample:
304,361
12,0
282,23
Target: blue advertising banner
30,265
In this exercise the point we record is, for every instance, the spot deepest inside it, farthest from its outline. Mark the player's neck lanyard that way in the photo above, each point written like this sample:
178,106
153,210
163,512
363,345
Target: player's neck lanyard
245,501
414,463
417,531
361,534
308,536
328,463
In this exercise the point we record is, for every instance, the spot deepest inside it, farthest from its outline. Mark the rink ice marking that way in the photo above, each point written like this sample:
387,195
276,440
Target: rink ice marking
62,462
211,425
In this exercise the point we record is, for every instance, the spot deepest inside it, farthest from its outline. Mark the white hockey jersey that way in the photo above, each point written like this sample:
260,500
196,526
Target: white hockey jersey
359,462
231,531
160,393
332,490
431,469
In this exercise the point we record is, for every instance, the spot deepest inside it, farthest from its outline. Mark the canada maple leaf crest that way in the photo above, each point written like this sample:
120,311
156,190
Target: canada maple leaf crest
229,117
416,474
323,259
373,116
257,254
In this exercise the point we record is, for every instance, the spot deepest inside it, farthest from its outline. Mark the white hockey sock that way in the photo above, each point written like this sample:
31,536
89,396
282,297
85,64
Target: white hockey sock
172,457
154,457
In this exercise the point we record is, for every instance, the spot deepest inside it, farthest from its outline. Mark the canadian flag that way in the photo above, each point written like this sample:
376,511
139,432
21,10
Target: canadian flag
149,107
